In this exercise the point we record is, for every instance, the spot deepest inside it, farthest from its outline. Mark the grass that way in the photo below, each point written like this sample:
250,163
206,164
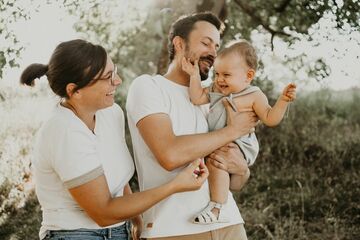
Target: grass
304,184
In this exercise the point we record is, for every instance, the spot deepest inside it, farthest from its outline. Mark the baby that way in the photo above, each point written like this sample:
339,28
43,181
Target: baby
235,68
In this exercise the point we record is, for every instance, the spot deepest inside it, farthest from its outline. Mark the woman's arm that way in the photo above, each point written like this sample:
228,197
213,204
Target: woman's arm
136,222
94,196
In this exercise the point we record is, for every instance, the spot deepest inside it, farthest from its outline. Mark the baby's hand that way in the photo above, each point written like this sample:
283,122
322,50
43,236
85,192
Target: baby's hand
190,68
289,93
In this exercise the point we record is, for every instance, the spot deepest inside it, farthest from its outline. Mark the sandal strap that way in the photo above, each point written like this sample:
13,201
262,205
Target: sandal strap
206,215
216,205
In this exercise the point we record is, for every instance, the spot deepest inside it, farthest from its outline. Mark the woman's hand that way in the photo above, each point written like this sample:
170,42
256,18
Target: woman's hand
192,177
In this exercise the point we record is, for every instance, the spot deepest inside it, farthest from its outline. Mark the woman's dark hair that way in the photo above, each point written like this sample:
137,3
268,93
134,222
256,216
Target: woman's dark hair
185,24
76,61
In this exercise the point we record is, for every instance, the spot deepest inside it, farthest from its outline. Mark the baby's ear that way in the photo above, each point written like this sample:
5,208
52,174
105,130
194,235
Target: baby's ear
250,75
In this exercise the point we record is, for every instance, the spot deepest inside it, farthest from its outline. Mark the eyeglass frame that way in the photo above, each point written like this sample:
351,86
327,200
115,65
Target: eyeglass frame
112,77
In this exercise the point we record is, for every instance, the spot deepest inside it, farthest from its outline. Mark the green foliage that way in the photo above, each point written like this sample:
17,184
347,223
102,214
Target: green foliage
282,17
20,223
290,21
141,48
19,210
304,184
10,49
130,33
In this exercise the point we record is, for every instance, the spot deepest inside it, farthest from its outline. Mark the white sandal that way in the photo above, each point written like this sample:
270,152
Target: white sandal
207,217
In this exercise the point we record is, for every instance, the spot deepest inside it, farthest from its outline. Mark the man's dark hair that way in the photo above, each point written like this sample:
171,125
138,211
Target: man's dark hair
185,24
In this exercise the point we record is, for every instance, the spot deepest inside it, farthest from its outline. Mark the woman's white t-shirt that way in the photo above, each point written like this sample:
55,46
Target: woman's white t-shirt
69,154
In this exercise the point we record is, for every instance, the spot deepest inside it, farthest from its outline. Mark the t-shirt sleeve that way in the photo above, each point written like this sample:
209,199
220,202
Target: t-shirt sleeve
145,97
76,158
119,118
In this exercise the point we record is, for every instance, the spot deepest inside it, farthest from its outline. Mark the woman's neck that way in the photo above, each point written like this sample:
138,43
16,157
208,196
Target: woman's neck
85,115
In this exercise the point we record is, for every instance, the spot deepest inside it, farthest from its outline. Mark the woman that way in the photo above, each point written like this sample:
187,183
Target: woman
81,164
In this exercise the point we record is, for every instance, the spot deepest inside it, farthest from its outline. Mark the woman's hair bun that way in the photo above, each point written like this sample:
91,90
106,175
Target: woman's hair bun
35,70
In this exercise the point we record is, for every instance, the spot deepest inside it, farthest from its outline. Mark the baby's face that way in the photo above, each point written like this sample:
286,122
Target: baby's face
231,74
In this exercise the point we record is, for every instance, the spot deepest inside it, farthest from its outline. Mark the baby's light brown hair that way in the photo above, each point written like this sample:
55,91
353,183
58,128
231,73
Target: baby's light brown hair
243,49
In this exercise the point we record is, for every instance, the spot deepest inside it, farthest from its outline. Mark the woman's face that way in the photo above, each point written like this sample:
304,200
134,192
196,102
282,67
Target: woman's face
100,94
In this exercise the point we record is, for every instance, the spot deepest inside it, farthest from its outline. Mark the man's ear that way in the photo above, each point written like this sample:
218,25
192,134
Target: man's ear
179,44
70,90
250,75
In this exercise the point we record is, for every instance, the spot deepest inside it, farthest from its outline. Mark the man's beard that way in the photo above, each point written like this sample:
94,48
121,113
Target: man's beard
204,74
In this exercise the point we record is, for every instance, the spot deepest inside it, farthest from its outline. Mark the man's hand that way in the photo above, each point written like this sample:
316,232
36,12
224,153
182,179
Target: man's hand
230,159
242,122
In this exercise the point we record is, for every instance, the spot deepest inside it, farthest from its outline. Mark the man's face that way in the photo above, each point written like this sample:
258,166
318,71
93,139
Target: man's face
203,42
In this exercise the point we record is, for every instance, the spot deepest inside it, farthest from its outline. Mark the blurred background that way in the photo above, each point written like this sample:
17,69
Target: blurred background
305,183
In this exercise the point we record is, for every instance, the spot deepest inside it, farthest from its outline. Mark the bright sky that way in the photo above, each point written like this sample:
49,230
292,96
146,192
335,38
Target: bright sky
52,25
40,35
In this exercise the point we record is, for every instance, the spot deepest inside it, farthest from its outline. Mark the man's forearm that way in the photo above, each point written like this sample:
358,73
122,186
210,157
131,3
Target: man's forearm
174,151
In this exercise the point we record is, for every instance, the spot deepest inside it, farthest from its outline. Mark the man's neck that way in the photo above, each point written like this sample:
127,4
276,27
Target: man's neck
177,75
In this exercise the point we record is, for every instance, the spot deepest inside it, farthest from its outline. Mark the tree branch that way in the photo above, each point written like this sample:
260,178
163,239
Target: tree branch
251,12
282,6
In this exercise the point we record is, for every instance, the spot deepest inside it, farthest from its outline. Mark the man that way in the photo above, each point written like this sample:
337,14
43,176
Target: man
168,132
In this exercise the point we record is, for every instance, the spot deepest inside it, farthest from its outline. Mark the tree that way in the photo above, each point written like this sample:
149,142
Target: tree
142,48
11,11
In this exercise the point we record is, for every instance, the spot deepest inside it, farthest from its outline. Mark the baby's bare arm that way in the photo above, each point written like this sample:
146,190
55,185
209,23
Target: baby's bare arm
198,94
270,116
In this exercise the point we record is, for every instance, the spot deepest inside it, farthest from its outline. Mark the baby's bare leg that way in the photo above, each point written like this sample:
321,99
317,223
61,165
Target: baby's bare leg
219,182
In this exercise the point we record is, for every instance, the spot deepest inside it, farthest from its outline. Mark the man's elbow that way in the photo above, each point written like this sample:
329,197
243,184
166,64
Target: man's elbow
168,160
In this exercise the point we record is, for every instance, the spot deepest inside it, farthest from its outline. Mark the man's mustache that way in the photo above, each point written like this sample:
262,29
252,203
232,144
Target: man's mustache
209,58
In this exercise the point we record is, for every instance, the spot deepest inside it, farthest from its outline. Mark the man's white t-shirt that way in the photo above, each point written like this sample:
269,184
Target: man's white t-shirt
171,217
69,154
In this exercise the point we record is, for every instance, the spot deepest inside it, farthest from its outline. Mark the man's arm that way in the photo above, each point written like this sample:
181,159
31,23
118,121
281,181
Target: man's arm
231,159
174,151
